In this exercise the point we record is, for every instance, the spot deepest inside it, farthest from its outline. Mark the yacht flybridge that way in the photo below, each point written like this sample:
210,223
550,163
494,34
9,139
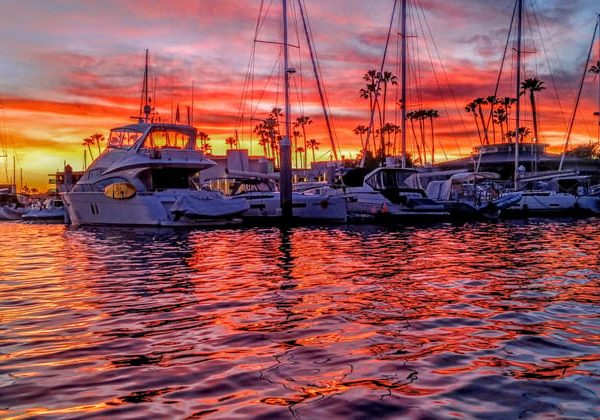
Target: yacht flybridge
145,177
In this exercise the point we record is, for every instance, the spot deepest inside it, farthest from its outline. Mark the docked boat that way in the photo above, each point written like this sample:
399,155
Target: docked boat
51,210
264,202
556,195
11,208
472,195
145,177
385,194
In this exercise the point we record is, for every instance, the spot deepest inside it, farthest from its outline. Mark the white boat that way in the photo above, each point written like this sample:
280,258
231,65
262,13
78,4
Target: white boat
11,208
386,194
264,202
556,195
51,210
144,177
471,195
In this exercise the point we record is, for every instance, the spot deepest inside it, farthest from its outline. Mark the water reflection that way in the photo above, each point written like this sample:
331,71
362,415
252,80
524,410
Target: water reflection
361,321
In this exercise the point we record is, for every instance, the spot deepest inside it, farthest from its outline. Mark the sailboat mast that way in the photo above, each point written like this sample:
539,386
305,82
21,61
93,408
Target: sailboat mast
403,76
518,87
285,175
598,109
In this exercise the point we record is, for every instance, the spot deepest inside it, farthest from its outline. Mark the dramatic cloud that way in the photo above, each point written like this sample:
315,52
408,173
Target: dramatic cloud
73,68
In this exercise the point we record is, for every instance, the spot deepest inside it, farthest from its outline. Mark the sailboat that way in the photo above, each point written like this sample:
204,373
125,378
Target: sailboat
538,196
269,202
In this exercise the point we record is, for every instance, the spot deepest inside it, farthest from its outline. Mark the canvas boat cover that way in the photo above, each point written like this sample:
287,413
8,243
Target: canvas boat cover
207,205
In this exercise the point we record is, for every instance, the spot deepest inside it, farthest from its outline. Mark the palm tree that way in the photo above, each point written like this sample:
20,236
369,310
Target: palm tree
431,114
359,131
412,116
88,141
301,122
595,68
261,131
533,85
371,92
500,117
471,107
387,77
204,139
231,142
479,102
97,139
523,132
313,144
492,101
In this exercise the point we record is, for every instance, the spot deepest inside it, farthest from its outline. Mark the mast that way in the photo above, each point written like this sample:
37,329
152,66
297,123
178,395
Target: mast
403,76
285,175
318,79
572,121
518,87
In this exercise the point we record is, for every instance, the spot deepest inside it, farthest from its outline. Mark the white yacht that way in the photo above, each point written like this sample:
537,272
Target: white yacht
264,201
472,195
386,194
144,177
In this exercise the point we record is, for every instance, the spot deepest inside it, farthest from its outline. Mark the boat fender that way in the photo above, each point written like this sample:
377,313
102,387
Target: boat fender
576,206
324,203
525,207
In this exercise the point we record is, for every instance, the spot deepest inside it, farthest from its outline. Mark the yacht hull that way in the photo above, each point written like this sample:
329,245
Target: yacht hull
264,207
144,209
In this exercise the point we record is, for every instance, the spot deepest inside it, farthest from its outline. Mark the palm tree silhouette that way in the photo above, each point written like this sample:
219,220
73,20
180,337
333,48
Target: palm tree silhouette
313,144
431,114
301,122
492,101
97,139
231,142
471,107
359,131
88,142
479,102
533,85
595,68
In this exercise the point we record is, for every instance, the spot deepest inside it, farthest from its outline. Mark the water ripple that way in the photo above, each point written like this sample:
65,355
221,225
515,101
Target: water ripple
479,320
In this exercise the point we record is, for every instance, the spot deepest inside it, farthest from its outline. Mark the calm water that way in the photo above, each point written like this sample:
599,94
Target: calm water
483,320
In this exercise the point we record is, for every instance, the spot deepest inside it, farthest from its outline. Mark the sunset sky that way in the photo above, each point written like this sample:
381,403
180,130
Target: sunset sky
70,69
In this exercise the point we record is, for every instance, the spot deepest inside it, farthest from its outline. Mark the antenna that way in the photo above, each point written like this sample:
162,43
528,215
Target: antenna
145,107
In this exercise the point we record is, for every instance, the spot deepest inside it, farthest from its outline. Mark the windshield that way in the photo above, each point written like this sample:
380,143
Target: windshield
123,138
164,138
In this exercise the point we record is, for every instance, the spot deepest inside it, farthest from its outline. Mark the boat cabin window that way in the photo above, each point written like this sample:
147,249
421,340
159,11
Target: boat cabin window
163,138
123,138
390,180
158,179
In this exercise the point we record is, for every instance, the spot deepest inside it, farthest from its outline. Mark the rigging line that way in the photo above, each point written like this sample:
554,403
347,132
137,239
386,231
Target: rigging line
318,76
561,69
325,95
376,94
299,92
460,115
248,80
585,70
510,28
430,34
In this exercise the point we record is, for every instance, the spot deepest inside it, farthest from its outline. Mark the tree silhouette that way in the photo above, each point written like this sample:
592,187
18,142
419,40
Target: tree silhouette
231,142
533,85
313,144
88,142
